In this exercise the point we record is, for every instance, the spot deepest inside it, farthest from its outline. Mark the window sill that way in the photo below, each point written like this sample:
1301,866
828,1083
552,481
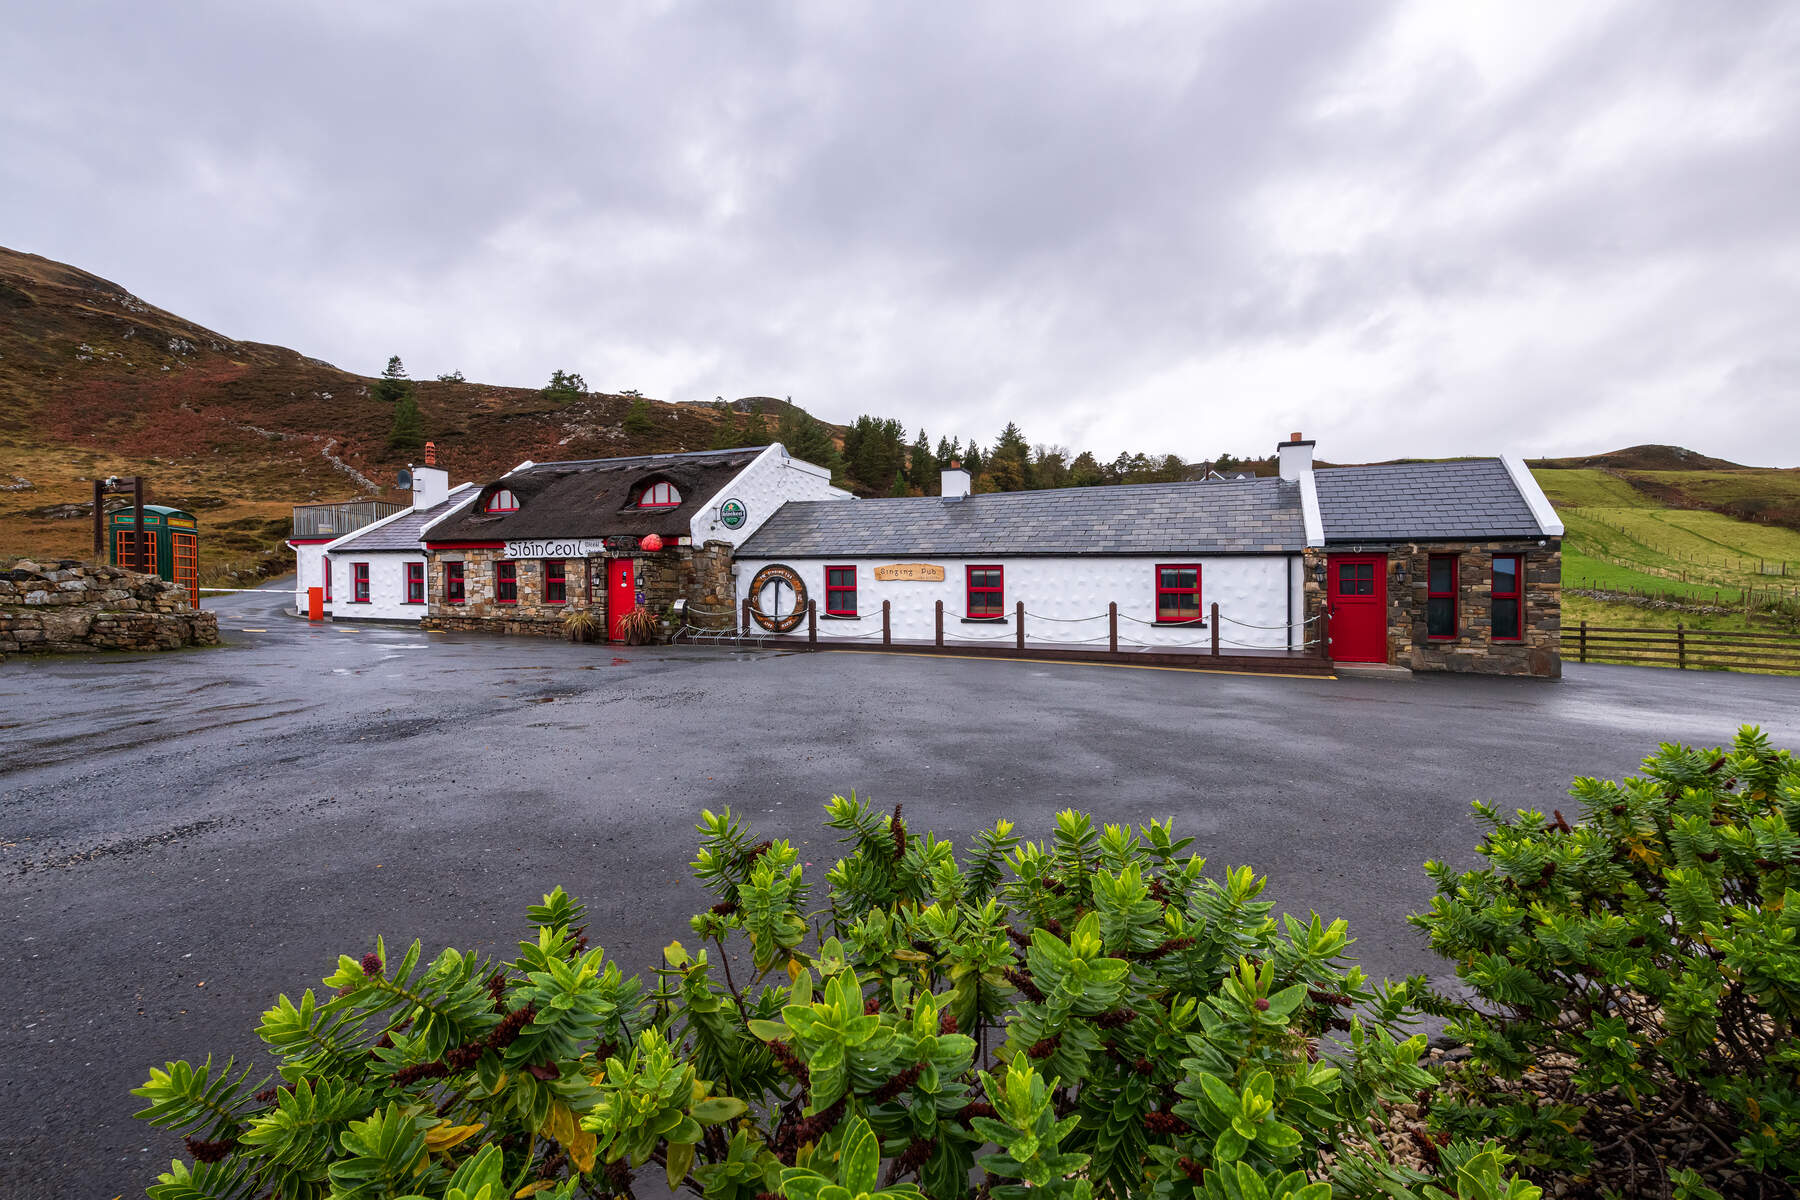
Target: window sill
1196,624
984,620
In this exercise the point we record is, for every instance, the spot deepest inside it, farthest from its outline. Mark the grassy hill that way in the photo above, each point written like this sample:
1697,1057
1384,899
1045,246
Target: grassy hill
1667,545
95,381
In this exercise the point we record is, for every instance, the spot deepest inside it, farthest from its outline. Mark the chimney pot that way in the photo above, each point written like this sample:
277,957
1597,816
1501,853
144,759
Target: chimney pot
431,453
1295,436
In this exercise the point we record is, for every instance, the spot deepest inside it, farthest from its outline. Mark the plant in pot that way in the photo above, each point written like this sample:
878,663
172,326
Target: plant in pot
638,626
583,624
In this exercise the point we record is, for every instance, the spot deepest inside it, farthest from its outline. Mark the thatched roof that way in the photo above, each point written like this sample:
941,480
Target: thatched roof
597,497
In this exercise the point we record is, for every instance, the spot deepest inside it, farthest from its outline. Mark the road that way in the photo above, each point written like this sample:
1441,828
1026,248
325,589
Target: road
183,836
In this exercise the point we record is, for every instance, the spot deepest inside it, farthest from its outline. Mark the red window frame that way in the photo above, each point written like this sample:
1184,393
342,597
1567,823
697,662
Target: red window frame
506,582
840,597
994,593
1517,596
455,589
1433,592
661,494
415,583
359,583
556,581
1163,589
501,501
325,560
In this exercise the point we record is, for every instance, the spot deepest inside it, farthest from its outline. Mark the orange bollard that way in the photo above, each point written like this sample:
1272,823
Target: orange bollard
315,604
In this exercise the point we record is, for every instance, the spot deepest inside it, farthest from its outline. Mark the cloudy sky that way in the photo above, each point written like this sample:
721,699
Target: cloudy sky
1415,228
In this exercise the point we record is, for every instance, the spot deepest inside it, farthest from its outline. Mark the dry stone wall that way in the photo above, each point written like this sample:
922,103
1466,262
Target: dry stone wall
72,607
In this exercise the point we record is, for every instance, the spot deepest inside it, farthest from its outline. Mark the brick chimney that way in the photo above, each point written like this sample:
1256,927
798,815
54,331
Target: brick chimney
1296,455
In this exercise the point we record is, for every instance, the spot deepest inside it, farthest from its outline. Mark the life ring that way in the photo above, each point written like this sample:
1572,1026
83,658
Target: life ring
786,576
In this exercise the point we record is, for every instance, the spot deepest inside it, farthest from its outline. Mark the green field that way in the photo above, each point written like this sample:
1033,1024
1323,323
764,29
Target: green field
1653,540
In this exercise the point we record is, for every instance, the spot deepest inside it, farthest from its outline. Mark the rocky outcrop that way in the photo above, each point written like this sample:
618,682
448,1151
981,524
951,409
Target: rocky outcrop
72,607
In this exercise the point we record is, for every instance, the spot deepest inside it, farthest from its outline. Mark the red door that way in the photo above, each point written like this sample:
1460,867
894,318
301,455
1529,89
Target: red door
621,596
1356,587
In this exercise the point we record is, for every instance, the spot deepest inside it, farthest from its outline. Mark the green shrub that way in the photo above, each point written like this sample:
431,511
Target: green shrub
1092,1016
1636,977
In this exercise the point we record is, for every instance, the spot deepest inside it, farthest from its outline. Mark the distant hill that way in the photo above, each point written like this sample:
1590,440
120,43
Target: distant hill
95,381
1645,458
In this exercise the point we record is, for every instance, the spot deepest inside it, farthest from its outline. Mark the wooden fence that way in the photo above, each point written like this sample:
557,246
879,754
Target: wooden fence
1683,648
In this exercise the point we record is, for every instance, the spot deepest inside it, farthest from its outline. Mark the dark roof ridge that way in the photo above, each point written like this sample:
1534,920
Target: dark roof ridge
636,458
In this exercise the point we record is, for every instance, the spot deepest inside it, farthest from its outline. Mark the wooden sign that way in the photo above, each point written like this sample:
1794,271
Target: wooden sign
911,572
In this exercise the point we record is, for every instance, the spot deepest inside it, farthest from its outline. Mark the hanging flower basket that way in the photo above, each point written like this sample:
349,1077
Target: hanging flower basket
651,542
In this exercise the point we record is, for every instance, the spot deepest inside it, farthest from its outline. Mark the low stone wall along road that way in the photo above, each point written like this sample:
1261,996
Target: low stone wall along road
184,835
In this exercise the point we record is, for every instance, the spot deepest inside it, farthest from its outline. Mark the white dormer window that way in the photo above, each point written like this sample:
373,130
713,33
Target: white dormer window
501,501
659,495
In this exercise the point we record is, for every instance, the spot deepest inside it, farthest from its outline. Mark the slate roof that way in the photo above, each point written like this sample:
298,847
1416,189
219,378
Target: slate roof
402,533
1253,516
595,497
1420,502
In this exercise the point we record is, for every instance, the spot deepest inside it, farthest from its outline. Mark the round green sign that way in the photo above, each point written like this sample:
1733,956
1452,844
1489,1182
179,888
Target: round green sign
732,514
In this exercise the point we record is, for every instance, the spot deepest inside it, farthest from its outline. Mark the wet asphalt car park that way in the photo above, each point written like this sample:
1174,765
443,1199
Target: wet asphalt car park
183,836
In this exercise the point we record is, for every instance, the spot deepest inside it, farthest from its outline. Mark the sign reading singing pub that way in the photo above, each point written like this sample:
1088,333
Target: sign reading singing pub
551,548
911,572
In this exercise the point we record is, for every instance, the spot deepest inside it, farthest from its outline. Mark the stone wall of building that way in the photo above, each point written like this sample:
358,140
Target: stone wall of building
72,608
699,575
1539,650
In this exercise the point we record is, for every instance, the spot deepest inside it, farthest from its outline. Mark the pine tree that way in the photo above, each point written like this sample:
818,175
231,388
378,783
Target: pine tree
922,465
1085,471
756,430
393,383
725,432
1010,464
564,386
807,439
408,432
901,487
638,419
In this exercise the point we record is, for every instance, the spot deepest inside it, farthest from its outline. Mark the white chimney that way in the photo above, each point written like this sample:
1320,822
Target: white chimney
429,486
953,481
1296,457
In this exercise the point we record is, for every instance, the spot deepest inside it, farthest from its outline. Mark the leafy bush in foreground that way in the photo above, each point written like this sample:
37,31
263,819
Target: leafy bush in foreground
1092,1016
1639,971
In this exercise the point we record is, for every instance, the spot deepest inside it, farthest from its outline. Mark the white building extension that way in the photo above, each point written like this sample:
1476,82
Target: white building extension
378,572
1165,554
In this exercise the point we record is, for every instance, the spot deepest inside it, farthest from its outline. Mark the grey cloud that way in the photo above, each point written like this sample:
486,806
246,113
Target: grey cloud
956,216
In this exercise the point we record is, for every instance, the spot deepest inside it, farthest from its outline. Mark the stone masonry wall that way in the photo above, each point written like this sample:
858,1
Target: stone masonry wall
1538,652
73,608
700,576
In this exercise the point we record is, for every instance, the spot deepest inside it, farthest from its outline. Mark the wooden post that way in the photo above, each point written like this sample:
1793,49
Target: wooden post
1112,622
1215,628
746,614
940,624
1680,645
887,629
137,498
1325,631
1021,629
99,521
1583,641
812,623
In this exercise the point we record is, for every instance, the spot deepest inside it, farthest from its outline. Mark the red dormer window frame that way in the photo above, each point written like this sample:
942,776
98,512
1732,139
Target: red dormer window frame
502,501
666,494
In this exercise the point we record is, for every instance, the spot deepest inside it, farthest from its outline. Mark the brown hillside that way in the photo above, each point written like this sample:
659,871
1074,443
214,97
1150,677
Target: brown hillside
1646,458
95,382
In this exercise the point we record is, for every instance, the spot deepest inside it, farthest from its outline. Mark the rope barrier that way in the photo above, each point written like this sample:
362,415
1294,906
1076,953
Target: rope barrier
1248,625
1065,620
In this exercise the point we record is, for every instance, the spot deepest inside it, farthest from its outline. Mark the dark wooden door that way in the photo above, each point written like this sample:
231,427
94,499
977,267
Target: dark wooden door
1356,588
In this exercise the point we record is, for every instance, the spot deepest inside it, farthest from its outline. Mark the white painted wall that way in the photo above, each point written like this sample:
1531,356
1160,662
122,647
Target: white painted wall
308,572
1252,589
387,586
771,480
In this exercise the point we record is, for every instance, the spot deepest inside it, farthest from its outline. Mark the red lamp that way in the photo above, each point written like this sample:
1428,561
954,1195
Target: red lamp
651,542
